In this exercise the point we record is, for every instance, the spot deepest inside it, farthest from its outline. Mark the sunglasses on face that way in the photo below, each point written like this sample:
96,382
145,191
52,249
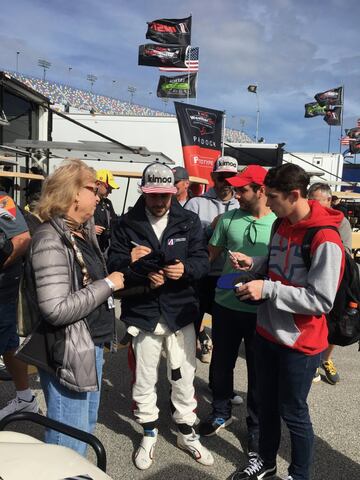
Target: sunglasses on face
94,190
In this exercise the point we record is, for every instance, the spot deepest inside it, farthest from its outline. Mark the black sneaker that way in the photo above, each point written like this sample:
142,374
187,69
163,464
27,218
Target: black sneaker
330,372
213,425
256,470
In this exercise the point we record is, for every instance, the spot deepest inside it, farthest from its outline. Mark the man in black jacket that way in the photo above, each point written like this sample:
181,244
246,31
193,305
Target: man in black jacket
160,245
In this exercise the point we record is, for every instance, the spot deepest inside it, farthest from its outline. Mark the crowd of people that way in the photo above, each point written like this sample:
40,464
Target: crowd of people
232,252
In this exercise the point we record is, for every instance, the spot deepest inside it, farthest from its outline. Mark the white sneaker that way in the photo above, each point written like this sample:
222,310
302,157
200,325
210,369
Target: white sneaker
236,399
144,455
19,405
191,443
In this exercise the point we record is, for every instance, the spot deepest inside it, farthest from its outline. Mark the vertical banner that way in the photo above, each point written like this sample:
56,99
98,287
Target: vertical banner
201,138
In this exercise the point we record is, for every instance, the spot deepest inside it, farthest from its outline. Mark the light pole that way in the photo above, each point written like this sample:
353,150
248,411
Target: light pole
132,91
165,100
92,79
242,124
44,64
253,89
17,62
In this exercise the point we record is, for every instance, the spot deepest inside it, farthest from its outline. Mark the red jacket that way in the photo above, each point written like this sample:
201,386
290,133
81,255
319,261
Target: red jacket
298,298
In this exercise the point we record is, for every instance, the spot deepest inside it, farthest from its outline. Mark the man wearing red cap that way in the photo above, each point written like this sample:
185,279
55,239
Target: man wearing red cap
247,229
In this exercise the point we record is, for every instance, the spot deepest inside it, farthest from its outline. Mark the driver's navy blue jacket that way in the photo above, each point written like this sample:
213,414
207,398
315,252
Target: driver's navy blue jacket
176,301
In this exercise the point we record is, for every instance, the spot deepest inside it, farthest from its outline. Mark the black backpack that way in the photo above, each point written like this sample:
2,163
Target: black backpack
344,329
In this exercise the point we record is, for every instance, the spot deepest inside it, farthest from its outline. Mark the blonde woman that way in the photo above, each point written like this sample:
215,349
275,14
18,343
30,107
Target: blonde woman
71,299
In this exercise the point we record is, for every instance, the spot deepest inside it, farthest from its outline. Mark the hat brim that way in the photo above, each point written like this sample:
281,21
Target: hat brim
239,181
113,185
225,170
172,190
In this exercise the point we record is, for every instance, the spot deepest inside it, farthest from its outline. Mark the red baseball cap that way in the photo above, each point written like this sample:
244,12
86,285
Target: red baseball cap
251,174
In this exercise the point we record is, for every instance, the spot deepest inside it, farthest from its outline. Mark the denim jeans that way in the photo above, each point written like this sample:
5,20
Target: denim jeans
229,329
77,409
284,380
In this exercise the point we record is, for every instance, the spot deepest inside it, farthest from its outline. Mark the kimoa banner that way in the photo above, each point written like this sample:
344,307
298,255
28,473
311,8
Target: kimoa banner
181,86
201,137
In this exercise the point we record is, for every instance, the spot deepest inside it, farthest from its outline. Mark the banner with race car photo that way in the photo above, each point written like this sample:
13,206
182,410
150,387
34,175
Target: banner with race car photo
332,97
170,31
201,137
181,86
153,55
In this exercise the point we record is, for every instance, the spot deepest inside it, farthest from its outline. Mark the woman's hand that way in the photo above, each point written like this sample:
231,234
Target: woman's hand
117,279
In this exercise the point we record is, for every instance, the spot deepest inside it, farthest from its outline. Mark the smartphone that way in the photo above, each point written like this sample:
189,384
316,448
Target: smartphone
172,261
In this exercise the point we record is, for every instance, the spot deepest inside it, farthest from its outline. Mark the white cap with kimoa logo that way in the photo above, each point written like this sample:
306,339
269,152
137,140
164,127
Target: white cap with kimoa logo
158,178
226,164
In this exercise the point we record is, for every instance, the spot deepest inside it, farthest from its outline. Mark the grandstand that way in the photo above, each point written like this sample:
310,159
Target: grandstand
66,97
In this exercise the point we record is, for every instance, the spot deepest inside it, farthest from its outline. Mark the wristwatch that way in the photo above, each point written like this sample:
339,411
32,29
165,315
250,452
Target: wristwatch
110,283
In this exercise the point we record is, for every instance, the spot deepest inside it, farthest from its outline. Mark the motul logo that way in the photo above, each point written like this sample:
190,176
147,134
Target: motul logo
154,179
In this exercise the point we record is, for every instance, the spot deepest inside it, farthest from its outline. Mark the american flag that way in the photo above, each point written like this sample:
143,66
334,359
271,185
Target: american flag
345,140
191,62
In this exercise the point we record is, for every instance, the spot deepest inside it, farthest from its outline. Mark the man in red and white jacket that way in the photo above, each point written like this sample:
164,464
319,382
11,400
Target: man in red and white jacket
291,325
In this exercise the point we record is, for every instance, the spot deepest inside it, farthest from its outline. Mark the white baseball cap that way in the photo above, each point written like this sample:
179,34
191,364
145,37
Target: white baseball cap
226,164
158,178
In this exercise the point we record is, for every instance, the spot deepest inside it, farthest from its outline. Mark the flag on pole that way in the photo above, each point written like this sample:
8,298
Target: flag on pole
330,97
181,86
313,109
345,140
252,88
170,31
355,147
191,62
353,133
201,137
333,116
153,55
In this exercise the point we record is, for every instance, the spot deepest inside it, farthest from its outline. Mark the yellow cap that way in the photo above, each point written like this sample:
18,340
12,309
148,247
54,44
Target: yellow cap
107,177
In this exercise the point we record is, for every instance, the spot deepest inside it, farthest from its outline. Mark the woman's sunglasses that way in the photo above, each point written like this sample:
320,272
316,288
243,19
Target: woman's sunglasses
95,190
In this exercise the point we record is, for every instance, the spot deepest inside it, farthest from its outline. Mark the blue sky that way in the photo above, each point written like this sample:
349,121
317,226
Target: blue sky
292,49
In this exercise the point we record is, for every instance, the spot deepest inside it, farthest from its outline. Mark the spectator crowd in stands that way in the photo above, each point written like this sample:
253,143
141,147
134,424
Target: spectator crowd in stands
65,96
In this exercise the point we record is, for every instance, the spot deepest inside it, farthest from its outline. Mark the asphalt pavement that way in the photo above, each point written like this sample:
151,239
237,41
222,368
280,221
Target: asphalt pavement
334,412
